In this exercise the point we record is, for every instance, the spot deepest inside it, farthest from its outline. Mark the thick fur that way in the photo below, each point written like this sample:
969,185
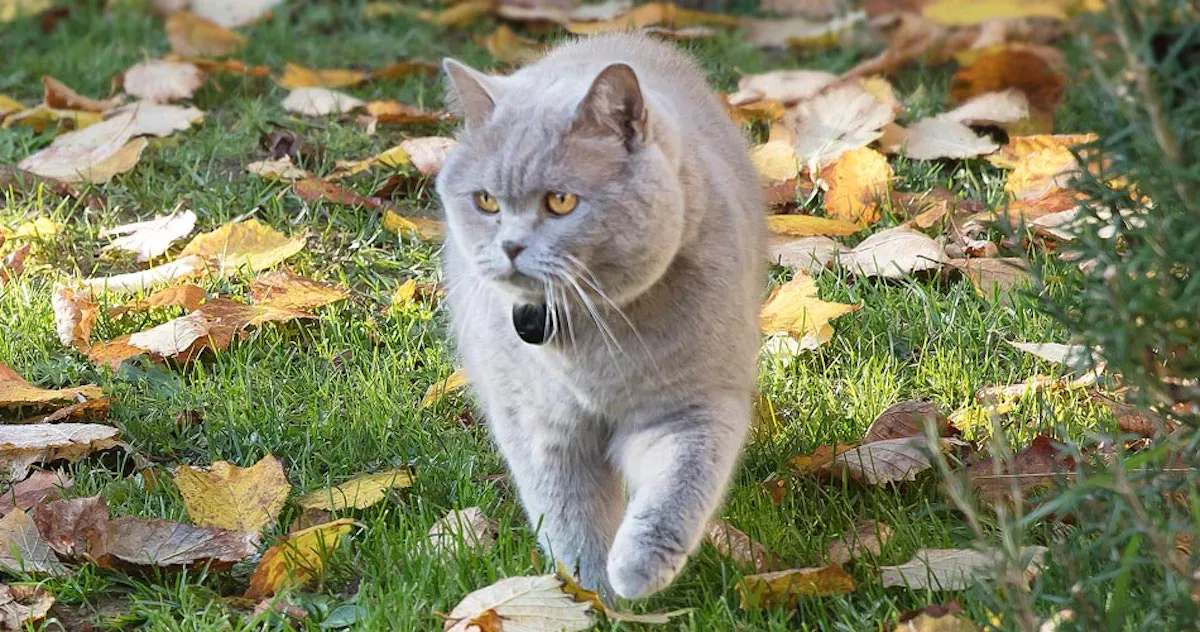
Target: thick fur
654,283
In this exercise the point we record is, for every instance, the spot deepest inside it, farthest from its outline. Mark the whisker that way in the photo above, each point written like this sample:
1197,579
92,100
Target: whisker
595,286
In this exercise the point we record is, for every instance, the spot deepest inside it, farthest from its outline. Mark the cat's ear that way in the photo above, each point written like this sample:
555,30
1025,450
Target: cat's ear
470,92
614,107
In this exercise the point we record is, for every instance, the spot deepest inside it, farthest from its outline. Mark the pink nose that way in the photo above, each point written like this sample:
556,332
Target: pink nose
512,248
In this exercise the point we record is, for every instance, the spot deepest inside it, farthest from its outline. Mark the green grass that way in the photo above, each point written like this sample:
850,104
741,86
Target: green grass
341,395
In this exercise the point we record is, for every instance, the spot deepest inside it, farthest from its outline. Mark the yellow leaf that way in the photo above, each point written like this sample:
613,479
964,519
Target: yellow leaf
36,228
969,12
405,293
775,160
1020,148
820,459
785,588
297,560
810,226
122,160
40,118
422,228
794,308
397,113
460,15
188,296
452,384
394,157
506,46
280,169
232,497
8,105
191,35
15,391
297,76
357,493
855,182
1012,66
250,243
287,290
12,9
653,14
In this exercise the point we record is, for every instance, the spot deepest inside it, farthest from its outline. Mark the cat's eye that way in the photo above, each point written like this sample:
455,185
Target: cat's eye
561,203
486,203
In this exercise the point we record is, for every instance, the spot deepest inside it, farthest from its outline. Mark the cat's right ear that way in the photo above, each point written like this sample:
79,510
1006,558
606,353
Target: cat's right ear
469,92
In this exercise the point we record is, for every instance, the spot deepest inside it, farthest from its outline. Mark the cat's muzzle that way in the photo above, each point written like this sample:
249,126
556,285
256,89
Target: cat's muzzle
532,324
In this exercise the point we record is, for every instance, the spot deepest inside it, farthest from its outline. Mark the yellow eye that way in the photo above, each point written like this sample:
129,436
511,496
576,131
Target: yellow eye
561,203
486,203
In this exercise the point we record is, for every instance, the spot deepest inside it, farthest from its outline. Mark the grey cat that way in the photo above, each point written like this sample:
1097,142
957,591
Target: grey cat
605,183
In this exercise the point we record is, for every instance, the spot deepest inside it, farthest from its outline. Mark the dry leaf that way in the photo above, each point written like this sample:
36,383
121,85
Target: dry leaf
298,559
969,12
287,290
1035,467
231,66
1133,419
313,190
8,105
463,527
856,181
938,619
939,137
67,523
22,607
92,409
421,228
841,119
1011,67
793,308
775,161
652,14
96,165
437,392
784,589
357,493
800,32
397,113
193,36
866,538
24,445
297,76
181,268
810,226
212,326
280,169
952,569
163,81
991,277
404,294
233,13
394,157
894,253
991,108
74,315
13,263
22,548
427,153
461,15
152,238
819,460
232,497
1040,164
532,604
130,542
739,547
809,254
60,96
43,117
908,419
34,490
15,391
887,461
1077,358
249,244
768,110
507,47
320,102
561,11
811,8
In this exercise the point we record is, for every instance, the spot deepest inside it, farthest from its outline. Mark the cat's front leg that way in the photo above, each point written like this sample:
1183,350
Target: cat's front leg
678,465
571,493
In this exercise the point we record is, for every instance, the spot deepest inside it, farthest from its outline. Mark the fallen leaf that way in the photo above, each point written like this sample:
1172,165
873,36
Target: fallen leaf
775,161
422,228
1021,149
24,445
298,559
397,113
43,117
232,497
652,14
90,410
163,81
841,119
97,166
819,460
952,569
856,181
1037,466
60,96
810,254
939,622
784,589
8,105
67,523
1136,420
461,15
193,36
249,244
894,253
280,169
907,419
357,493
74,315
995,276
152,238
810,226
938,137
15,391
969,12
34,490
212,326
428,153
288,290
231,66
1011,67
22,548
743,113
297,76
22,607
522,603
233,13
810,8
793,308
405,293
679,35
437,392
582,595
181,268
509,48
561,11
867,538
887,461
800,31
406,69
13,263
313,190
468,527
319,102
1077,358
739,547
130,542
394,157
991,108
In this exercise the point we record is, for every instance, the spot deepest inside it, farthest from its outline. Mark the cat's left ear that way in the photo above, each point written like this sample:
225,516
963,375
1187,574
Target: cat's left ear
614,106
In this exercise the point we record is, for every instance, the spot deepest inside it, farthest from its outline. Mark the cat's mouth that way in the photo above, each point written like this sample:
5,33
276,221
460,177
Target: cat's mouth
524,288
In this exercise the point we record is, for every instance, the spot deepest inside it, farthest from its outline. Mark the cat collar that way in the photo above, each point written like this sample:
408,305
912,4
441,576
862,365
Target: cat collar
531,323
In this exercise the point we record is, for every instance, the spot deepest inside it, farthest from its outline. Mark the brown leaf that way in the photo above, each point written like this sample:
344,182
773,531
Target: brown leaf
127,541
312,190
1011,67
13,264
231,66
74,315
653,14
866,538
887,461
1136,420
193,36
288,290
15,391
297,76
24,445
231,497
33,490
1035,467
820,459
91,410
397,113
23,606
163,81
893,253
66,524
953,569
188,296
908,419
468,528
298,559
784,589
739,547
60,96
991,277
22,549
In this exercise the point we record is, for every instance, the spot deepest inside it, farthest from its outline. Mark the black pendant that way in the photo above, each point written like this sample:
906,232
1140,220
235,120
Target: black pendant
531,323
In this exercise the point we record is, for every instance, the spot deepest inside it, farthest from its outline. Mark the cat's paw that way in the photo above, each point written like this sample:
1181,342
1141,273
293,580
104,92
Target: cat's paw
640,567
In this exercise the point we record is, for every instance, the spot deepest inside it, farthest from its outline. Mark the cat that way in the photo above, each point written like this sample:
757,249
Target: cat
605,259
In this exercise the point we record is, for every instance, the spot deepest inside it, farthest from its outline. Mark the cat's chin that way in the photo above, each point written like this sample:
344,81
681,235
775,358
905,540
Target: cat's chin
521,289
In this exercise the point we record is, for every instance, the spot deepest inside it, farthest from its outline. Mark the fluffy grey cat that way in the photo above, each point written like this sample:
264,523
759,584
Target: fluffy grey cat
604,253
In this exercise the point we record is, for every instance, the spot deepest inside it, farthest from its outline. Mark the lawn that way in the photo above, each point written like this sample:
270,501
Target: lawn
341,395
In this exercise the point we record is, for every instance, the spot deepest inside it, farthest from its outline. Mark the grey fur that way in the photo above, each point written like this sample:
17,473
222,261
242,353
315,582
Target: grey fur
654,283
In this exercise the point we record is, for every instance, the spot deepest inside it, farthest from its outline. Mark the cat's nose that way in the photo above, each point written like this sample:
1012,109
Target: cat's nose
512,248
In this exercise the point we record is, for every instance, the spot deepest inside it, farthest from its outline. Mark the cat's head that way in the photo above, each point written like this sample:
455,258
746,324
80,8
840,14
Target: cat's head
567,179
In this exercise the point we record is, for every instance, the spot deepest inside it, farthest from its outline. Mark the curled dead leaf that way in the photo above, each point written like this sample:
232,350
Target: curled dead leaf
298,559
359,492
784,589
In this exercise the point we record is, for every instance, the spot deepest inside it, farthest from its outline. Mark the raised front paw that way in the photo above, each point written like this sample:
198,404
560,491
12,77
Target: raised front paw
640,565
